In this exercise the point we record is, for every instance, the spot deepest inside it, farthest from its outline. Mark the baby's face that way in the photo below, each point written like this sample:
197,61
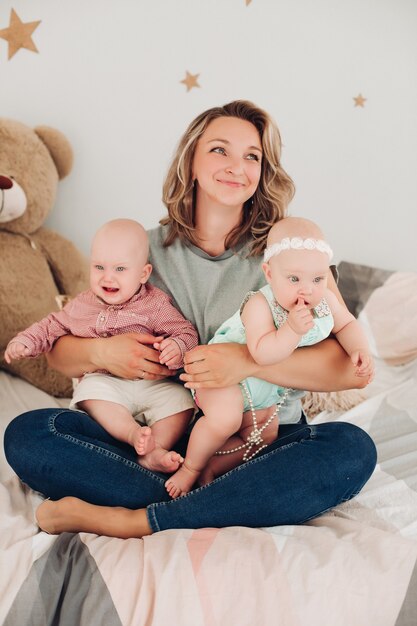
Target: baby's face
118,267
298,274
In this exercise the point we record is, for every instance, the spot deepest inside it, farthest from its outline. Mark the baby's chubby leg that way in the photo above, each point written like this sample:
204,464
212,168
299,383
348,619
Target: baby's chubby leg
166,433
220,464
119,423
222,417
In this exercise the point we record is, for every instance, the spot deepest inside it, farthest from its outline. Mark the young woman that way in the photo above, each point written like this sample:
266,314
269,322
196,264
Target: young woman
224,190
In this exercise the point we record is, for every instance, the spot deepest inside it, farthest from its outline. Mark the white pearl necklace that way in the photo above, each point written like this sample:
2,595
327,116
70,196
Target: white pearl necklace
255,437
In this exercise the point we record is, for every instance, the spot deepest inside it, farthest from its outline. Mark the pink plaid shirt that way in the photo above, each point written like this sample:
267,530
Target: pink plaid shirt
149,311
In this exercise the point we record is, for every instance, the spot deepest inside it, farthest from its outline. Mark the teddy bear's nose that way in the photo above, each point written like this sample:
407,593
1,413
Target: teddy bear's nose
5,183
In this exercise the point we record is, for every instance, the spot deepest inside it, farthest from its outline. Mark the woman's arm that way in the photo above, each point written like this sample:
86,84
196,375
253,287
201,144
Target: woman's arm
322,367
125,356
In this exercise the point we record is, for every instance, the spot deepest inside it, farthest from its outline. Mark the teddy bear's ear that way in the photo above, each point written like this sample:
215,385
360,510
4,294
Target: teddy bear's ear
59,148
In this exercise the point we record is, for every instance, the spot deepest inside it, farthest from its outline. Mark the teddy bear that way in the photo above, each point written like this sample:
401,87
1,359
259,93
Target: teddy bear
38,267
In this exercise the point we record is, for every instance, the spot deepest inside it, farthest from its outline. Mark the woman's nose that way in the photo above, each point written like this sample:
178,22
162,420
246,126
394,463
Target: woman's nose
234,166
5,182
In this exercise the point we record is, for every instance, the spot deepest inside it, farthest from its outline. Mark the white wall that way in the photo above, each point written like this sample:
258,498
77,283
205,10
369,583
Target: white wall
108,75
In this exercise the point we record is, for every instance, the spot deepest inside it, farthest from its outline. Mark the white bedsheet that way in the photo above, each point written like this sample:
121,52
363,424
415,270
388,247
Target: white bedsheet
355,566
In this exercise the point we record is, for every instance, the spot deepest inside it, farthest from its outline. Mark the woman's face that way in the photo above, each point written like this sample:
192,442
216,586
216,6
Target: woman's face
227,162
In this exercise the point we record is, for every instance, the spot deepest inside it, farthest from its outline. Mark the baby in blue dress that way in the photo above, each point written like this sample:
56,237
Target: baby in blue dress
295,308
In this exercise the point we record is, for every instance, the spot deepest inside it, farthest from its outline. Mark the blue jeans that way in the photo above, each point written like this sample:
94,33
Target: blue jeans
306,471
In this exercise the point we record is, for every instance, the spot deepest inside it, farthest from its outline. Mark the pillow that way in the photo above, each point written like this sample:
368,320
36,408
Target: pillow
390,319
357,282
385,303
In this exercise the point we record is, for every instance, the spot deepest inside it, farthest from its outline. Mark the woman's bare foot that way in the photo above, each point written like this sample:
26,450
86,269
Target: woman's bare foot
161,460
182,481
142,439
73,515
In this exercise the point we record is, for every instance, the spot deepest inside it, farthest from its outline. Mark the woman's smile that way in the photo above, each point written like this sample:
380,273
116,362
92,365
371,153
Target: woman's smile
231,183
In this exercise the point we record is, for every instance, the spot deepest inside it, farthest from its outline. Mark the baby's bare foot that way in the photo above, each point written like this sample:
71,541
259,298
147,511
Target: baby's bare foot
161,460
142,440
182,481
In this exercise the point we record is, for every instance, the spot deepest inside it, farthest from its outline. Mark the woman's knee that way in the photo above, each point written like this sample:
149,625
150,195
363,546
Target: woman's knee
21,430
354,449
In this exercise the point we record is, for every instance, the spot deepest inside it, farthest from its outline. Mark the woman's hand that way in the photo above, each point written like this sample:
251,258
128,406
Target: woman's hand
126,356
217,365
131,356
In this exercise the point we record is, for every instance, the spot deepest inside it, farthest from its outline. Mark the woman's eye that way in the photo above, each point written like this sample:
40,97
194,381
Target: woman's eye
219,150
253,157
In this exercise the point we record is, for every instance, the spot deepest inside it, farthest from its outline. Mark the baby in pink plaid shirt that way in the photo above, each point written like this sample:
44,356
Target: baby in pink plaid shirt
121,301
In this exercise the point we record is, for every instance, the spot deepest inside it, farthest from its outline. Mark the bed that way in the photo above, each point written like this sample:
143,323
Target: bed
354,566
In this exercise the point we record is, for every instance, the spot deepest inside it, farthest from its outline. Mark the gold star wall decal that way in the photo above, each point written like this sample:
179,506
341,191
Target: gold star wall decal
360,101
190,80
19,34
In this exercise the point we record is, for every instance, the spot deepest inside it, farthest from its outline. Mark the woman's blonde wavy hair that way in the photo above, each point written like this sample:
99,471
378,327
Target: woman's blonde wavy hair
267,205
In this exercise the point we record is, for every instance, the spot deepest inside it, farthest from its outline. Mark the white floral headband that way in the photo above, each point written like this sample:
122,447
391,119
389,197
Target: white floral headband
296,243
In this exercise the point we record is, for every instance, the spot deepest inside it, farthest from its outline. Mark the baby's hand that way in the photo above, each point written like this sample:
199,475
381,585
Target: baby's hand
300,318
364,363
170,353
15,350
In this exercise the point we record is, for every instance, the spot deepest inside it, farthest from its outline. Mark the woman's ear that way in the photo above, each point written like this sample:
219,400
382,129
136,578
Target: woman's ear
267,271
146,272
